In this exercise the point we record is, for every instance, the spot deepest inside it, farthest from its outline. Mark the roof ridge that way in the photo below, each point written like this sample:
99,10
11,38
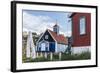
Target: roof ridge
59,38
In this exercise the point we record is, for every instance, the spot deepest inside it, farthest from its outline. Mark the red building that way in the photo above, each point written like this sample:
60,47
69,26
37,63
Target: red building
81,32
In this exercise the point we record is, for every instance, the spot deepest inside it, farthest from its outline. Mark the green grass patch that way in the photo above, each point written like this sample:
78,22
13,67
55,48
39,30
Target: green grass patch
65,57
82,56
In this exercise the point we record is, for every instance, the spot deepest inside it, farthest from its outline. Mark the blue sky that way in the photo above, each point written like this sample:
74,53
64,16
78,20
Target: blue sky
39,21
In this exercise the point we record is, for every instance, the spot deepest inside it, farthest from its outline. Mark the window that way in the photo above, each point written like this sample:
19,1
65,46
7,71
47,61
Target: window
46,36
43,47
82,25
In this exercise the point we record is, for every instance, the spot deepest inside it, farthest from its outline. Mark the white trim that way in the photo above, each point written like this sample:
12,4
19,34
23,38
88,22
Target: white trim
41,36
55,46
82,30
78,50
52,36
46,45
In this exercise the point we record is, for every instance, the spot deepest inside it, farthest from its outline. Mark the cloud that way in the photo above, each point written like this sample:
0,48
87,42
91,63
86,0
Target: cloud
36,23
68,33
40,23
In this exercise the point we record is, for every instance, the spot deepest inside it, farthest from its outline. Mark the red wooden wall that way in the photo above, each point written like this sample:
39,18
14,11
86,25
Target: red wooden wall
81,40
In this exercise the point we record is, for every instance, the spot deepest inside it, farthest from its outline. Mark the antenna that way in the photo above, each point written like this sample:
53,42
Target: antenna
56,21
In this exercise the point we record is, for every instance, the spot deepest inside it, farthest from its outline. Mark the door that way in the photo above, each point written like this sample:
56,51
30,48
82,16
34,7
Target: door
43,46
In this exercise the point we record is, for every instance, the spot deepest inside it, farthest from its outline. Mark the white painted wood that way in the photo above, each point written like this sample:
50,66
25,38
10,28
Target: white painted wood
37,54
56,47
40,37
30,49
78,50
60,54
43,46
45,55
28,53
43,34
41,54
33,53
51,56
61,47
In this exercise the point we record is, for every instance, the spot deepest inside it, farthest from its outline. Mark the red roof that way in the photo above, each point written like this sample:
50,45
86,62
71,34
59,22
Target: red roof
59,38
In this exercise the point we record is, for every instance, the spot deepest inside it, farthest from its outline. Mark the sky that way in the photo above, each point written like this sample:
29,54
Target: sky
39,21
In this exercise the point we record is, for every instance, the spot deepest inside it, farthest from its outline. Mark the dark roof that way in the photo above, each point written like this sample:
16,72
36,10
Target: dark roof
58,37
55,25
72,15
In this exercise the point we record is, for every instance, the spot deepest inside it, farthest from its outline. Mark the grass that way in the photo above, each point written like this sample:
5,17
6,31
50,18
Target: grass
82,56
41,59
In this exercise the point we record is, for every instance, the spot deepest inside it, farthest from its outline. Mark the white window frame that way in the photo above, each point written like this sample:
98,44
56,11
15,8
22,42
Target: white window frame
46,36
82,29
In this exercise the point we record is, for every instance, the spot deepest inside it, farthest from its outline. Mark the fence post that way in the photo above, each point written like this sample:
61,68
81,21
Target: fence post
37,54
60,55
51,56
41,54
45,55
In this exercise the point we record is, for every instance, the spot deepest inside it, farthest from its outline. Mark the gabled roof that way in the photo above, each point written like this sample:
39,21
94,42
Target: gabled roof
59,38
72,15
55,25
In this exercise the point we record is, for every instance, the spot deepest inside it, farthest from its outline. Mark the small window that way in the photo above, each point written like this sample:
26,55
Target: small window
46,36
82,25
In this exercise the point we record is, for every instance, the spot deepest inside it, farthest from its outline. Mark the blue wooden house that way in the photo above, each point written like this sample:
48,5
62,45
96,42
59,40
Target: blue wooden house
52,41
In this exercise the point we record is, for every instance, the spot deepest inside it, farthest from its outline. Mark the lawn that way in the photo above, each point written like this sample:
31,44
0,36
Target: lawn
82,56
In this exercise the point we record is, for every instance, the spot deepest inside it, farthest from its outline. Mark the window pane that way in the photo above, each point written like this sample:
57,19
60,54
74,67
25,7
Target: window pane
46,37
43,46
82,25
